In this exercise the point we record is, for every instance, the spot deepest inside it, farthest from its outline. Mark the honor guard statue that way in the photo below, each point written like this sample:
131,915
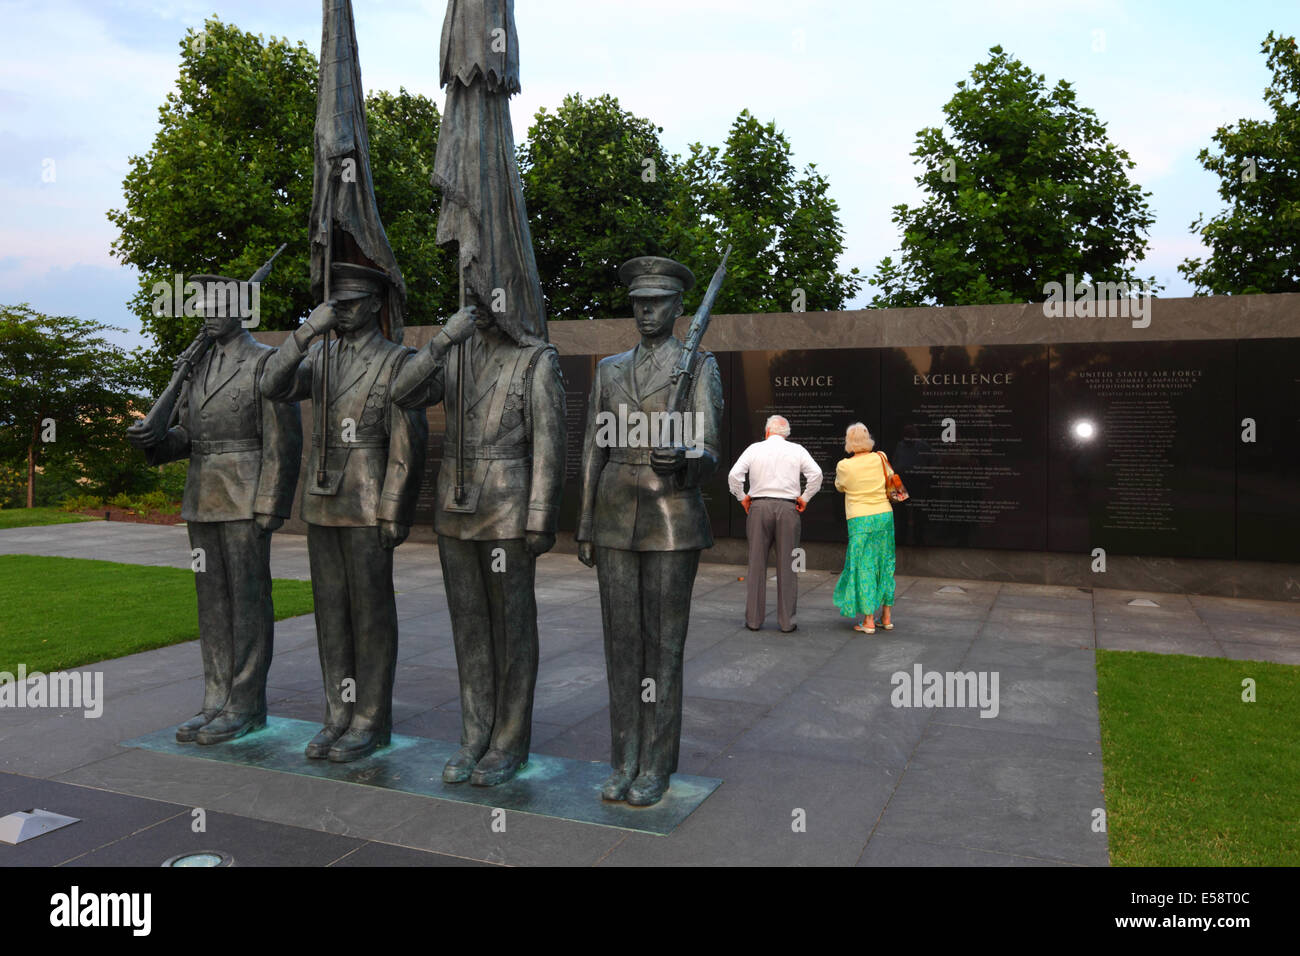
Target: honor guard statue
492,527
358,501
643,520
243,456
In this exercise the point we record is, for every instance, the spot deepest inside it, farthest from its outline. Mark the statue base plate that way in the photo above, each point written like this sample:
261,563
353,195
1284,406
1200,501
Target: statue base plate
547,786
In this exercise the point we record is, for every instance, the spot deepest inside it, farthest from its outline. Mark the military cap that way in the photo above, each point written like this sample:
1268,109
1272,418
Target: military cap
351,281
655,275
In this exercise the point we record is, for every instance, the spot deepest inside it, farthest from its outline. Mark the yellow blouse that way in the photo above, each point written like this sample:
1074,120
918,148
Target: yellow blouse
862,479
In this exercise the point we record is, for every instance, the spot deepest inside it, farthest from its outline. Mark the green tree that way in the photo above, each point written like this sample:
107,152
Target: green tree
600,189
66,394
1025,189
229,176
784,226
598,186
1255,242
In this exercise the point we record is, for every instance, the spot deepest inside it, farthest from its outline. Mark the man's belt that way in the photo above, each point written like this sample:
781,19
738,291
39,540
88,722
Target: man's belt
792,501
475,452
222,446
357,443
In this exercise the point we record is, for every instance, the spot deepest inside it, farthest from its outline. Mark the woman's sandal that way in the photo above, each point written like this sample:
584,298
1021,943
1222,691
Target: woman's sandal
864,629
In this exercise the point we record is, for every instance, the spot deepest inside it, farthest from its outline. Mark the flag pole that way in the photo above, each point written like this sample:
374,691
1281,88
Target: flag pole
322,429
460,400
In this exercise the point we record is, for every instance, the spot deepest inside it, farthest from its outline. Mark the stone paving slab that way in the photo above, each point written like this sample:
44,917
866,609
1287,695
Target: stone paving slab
795,725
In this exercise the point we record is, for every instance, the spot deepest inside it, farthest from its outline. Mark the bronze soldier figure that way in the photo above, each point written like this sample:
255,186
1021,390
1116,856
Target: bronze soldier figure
489,538
244,454
643,525
362,509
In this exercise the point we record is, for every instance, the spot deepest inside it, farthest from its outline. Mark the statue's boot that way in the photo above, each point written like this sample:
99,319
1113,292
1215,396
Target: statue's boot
647,790
496,767
227,726
187,731
358,743
319,748
617,785
459,768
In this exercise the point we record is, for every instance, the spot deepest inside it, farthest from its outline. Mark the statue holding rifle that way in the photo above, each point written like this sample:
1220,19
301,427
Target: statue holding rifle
243,452
643,522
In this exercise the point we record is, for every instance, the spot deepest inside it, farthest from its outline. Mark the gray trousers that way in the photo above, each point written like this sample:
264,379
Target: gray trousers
771,521
494,627
356,624
236,619
645,606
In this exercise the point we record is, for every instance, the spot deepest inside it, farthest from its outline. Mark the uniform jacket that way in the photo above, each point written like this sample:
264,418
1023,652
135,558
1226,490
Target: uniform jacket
244,451
625,504
514,445
374,472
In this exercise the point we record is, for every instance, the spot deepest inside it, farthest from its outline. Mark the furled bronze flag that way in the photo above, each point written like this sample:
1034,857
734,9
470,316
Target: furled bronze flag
345,224
482,199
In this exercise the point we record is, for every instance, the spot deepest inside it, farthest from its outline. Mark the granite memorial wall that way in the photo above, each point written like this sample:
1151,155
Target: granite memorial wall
1130,447
1013,432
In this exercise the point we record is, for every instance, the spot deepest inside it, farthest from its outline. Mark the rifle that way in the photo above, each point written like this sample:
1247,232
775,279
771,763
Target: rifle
163,414
688,365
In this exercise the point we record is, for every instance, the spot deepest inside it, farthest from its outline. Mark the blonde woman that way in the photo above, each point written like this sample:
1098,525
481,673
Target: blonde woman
867,582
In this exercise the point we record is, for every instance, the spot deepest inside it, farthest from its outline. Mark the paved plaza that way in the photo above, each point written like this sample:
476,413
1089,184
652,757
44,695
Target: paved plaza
817,765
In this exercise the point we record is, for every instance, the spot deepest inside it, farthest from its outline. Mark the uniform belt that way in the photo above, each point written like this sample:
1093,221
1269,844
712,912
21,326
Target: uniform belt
358,443
630,456
493,452
222,446
769,498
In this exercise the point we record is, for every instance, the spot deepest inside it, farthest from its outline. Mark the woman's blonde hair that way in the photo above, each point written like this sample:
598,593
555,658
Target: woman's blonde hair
857,438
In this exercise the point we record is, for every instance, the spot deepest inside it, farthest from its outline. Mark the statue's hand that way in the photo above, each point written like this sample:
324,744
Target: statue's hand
322,318
667,461
141,436
587,553
391,534
460,326
267,523
539,542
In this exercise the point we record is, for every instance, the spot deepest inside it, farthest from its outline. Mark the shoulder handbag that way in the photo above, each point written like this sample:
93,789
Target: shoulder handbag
893,481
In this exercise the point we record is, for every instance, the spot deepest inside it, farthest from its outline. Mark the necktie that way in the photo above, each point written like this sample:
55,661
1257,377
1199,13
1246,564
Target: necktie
214,369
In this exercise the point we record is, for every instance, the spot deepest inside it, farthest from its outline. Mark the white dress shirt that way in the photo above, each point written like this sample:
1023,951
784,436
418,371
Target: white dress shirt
773,467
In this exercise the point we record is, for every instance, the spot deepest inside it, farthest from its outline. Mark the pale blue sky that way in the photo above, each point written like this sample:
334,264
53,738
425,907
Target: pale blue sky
849,82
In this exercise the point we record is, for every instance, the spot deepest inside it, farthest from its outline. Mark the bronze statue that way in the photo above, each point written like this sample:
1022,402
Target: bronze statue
360,508
244,454
503,454
511,427
643,522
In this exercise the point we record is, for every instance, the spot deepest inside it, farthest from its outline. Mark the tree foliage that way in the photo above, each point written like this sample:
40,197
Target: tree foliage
1255,242
601,189
229,177
598,186
1023,189
67,395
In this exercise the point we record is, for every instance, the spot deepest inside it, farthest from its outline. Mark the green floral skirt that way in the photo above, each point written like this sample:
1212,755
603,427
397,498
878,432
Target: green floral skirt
867,581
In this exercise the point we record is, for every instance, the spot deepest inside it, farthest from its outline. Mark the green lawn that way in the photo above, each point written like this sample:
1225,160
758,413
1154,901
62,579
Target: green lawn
58,613
31,517
1194,776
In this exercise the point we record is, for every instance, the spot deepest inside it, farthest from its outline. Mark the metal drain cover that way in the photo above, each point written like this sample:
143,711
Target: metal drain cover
24,825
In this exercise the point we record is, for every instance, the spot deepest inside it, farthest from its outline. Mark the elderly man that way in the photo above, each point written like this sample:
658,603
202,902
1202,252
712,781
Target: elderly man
773,505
